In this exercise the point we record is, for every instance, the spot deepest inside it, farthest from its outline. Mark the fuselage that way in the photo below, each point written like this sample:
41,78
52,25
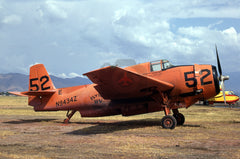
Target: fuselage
191,83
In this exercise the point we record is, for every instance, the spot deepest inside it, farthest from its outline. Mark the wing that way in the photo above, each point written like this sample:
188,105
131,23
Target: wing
116,83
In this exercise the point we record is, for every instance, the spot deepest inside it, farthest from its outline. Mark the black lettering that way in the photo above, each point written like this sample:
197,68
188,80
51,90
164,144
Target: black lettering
190,81
98,101
33,85
68,101
94,96
205,76
44,82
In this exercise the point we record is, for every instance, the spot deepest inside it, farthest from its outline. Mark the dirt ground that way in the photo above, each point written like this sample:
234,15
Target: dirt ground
207,133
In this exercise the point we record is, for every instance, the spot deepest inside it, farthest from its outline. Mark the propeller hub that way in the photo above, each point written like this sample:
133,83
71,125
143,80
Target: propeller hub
223,78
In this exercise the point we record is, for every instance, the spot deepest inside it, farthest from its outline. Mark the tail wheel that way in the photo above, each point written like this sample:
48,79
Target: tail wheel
180,118
169,122
66,121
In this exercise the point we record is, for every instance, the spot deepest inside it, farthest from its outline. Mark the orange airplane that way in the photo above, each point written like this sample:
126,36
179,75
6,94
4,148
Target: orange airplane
138,89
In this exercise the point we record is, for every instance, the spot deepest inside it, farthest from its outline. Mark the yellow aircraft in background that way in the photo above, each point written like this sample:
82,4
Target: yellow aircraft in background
230,98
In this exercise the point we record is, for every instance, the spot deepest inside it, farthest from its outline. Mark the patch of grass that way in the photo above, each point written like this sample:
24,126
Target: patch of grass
15,105
13,100
208,132
19,156
4,133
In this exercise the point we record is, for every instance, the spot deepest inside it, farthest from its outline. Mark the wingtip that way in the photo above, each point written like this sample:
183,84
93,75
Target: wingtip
18,94
103,68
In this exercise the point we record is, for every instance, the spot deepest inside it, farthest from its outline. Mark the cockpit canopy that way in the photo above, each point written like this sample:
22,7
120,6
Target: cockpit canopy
160,65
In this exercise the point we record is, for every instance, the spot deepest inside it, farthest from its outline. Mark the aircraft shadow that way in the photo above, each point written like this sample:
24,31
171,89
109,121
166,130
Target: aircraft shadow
28,121
193,126
105,128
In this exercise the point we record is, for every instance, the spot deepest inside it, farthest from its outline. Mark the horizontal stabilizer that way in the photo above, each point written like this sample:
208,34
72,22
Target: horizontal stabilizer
34,93
17,93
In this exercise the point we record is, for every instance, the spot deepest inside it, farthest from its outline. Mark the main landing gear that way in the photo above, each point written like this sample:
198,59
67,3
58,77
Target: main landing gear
169,121
69,116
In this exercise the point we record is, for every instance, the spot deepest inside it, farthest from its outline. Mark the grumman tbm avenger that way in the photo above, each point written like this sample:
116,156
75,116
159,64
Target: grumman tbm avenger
138,89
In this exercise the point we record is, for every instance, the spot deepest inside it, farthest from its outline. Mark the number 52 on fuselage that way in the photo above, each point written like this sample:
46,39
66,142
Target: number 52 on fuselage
142,88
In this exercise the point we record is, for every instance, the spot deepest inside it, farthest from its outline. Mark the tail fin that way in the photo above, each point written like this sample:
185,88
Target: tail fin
40,86
40,83
39,79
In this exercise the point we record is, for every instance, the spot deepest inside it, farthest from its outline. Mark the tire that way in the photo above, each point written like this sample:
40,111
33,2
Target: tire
169,122
180,118
66,121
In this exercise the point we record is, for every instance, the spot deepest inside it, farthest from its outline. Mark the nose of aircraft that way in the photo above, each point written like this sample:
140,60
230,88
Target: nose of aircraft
222,78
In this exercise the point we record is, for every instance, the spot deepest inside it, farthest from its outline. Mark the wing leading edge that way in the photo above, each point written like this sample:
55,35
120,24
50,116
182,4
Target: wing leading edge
116,83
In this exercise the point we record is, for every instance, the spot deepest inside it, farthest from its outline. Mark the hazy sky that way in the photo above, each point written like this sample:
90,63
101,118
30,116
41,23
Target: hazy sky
76,36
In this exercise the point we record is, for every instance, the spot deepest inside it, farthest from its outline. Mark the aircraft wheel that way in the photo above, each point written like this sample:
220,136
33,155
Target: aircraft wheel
205,102
180,118
169,122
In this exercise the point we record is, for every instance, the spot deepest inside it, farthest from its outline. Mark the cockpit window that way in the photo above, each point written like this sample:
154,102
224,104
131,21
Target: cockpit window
156,66
160,65
167,65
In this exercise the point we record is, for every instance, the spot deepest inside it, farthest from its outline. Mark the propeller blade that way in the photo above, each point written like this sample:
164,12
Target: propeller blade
223,91
218,62
221,77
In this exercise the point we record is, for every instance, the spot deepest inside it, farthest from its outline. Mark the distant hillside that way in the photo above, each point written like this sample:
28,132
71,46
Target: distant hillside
13,82
19,82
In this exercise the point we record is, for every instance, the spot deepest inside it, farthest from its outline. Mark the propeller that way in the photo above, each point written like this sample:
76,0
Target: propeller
222,78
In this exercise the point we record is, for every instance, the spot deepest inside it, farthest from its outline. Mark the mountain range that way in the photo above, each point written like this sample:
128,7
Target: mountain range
19,82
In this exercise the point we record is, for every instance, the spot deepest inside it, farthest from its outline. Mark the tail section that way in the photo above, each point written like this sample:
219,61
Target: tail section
40,83
39,79
40,89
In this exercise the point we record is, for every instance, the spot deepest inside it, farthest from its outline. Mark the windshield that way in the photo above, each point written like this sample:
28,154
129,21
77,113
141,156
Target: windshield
167,65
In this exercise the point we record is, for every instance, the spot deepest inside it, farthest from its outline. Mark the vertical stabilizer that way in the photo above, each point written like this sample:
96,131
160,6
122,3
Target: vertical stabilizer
39,79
